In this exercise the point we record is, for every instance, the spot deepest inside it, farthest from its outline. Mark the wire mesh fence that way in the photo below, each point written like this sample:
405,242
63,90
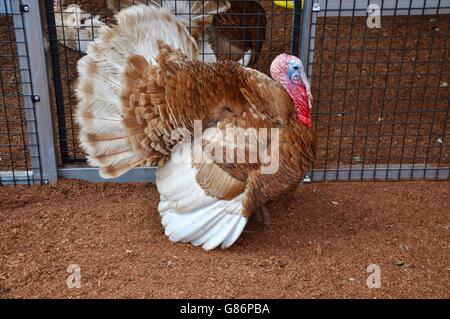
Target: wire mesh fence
19,150
381,93
381,96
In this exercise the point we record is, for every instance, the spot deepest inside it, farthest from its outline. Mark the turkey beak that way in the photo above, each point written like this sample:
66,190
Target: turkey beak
296,76
295,72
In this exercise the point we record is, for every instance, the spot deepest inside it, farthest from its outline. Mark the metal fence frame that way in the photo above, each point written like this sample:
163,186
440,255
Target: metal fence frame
342,8
30,42
37,98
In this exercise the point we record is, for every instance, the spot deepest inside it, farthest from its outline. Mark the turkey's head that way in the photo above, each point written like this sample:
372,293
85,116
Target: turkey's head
289,72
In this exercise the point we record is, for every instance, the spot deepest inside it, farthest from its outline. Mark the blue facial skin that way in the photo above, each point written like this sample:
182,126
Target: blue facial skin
295,71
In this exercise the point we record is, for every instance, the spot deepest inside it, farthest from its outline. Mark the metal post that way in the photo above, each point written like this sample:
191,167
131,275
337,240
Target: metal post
35,85
57,82
309,19
296,27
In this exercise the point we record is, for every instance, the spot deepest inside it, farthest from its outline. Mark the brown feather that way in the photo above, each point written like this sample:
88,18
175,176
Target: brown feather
217,182
225,96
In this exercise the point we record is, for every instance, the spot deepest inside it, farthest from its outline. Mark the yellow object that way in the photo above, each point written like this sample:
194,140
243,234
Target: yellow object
286,4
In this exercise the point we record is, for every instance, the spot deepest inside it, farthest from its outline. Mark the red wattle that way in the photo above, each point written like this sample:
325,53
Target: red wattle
301,102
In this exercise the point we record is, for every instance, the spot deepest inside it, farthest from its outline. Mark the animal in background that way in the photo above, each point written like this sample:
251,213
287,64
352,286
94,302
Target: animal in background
222,30
75,28
226,30
241,31
136,91
196,16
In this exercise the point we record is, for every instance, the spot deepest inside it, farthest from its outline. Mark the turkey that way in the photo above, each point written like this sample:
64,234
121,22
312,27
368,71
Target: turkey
75,28
144,98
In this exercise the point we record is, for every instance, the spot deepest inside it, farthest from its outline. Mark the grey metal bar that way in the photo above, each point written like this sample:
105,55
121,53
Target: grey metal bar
35,83
308,35
16,178
381,172
27,89
137,175
5,7
344,173
296,21
306,31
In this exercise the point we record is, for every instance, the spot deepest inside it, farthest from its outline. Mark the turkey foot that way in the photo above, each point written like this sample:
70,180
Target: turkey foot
262,214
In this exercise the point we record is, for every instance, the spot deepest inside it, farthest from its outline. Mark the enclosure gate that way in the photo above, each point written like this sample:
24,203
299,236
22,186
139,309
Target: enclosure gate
27,149
381,95
380,71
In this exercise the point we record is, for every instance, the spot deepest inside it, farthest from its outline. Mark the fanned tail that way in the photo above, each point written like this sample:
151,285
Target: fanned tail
116,64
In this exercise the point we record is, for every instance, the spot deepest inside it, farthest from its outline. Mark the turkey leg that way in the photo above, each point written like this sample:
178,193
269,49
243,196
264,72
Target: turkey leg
262,214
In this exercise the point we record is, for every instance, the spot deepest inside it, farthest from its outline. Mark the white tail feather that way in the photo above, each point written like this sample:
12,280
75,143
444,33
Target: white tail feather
189,214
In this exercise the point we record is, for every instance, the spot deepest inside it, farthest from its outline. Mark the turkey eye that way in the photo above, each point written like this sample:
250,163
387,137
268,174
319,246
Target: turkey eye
295,67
